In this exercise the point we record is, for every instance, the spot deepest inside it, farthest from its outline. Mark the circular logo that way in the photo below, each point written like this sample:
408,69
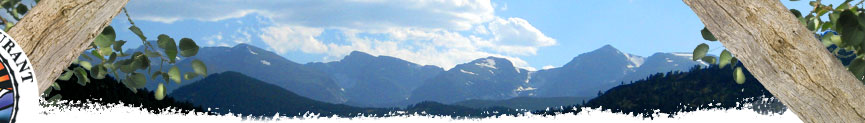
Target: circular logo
15,71
8,95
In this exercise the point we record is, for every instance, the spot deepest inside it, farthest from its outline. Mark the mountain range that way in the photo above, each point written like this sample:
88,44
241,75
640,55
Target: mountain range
587,73
672,93
366,80
488,78
376,81
260,64
237,93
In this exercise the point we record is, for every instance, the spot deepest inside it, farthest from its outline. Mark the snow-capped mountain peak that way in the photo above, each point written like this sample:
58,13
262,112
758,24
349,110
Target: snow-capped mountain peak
487,62
635,60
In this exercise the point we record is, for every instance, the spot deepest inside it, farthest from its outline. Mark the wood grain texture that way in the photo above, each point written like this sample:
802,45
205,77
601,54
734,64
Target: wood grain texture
55,32
785,57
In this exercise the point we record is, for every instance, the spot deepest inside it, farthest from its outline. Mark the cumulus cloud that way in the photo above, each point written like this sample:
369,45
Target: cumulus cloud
284,38
215,39
367,14
429,32
518,31
425,48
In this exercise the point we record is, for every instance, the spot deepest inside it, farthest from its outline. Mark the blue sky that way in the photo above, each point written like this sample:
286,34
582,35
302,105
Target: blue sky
532,33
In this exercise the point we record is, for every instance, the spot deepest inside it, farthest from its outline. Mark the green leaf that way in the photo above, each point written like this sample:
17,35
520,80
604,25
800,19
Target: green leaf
85,64
834,17
826,42
118,45
162,39
126,65
47,91
152,54
188,47
199,67
708,35
8,4
189,75
739,76
106,38
109,66
55,86
700,51
55,98
857,67
826,25
82,76
843,6
136,80
795,13
835,39
96,54
165,77
8,26
852,33
709,59
810,22
138,32
822,10
14,14
155,74
827,39
160,92
174,74
140,61
734,62
65,76
861,19
725,58
814,24
111,58
21,9
99,72
170,47
105,52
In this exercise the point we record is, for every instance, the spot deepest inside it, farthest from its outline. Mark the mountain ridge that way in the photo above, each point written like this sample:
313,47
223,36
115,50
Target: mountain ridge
362,79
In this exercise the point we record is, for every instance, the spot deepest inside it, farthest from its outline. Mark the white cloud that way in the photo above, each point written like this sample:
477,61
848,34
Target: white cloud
442,48
518,31
242,35
213,39
429,32
503,7
283,38
368,14
481,29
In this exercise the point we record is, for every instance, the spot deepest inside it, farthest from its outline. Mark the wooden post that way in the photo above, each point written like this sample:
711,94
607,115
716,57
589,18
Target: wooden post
55,32
785,57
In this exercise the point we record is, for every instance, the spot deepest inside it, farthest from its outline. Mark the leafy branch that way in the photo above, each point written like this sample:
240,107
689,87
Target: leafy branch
107,56
843,32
